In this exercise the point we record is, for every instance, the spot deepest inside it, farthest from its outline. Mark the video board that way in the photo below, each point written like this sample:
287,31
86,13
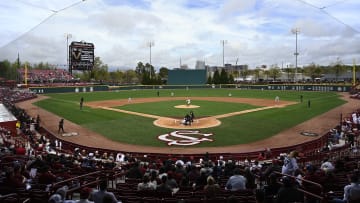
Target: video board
81,55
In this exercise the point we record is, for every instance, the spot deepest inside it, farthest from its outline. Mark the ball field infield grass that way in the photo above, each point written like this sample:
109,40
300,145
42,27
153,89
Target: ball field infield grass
238,129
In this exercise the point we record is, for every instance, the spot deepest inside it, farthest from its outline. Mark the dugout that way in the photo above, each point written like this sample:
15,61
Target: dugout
7,119
187,77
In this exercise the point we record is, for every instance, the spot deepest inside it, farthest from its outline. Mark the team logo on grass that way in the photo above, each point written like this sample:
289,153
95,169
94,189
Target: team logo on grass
185,137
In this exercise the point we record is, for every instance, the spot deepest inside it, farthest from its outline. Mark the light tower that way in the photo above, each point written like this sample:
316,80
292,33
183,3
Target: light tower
68,36
296,31
223,42
150,44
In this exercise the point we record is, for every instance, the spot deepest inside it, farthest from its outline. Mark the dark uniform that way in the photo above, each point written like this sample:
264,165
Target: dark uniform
192,116
61,125
81,102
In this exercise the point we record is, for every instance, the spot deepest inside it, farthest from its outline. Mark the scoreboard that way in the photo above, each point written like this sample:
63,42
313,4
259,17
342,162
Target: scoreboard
81,56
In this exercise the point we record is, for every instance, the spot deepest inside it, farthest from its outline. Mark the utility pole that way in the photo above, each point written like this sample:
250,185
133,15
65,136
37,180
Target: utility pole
296,31
223,42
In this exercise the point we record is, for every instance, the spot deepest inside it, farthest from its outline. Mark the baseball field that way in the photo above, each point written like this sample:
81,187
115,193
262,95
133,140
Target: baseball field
230,116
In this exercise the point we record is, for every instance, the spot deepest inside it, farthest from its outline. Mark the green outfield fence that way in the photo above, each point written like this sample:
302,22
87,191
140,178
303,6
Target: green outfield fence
285,87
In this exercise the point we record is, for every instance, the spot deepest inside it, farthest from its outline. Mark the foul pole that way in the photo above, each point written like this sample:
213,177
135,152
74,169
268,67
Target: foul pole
354,73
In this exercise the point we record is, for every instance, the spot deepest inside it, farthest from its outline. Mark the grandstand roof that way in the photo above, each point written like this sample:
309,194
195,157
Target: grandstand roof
5,115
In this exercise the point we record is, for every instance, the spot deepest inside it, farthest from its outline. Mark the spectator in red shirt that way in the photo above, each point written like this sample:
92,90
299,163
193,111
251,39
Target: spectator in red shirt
314,175
20,150
11,181
46,176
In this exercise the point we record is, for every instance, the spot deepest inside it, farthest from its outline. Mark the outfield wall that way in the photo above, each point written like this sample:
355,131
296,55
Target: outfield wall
284,87
69,89
291,87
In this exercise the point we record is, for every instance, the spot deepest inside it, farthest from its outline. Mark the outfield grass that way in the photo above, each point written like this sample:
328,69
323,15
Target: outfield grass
238,129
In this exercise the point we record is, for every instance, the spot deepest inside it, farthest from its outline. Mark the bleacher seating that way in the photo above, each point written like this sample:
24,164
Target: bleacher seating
44,76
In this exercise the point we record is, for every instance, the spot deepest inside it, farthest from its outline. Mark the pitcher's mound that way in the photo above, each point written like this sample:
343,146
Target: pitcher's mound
174,123
186,106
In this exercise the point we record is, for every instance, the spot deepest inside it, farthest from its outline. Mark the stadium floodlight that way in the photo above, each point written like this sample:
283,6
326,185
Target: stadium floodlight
68,36
223,42
150,44
296,31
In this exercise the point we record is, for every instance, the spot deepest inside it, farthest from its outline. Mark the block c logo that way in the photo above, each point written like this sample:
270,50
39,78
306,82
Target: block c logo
184,137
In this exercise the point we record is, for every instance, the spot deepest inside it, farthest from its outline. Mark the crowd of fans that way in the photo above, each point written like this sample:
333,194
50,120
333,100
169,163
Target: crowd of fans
10,96
45,76
37,164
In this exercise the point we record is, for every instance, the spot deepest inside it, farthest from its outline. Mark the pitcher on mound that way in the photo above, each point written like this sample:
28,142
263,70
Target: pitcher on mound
188,102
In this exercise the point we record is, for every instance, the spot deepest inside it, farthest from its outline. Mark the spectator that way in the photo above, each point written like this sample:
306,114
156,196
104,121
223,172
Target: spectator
211,189
171,181
11,181
154,179
46,176
217,169
201,181
327,166
193,174
351,191
288,193
84,195
20,150
107,198
272,188
163,187
98,196
146,184
134,171
18,173
236,181
290,163
60,196
314,175
274,167
261,156
250,179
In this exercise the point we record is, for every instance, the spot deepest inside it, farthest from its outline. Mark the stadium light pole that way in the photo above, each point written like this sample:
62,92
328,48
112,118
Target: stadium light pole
150,44
223,42
296,31
68,36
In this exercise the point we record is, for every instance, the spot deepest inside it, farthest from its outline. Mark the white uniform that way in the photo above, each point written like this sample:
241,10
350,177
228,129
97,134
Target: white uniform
277,99
188,101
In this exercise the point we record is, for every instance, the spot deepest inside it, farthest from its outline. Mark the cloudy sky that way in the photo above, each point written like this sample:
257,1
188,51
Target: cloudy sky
255,32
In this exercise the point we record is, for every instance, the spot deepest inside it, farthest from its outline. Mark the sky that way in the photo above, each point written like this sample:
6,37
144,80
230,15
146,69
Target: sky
252,32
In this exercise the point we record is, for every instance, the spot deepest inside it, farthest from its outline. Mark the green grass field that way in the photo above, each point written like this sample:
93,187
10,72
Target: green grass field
238,129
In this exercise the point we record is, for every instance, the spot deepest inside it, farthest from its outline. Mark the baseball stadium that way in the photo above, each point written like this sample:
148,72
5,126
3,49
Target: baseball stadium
121,128
258,128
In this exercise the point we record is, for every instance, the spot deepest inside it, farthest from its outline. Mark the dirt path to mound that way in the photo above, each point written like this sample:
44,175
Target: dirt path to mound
319,125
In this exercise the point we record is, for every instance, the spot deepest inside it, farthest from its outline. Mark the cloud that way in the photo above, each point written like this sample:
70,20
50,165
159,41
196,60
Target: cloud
257,31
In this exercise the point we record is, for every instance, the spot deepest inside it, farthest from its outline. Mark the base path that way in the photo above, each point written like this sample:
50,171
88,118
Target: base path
289,137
